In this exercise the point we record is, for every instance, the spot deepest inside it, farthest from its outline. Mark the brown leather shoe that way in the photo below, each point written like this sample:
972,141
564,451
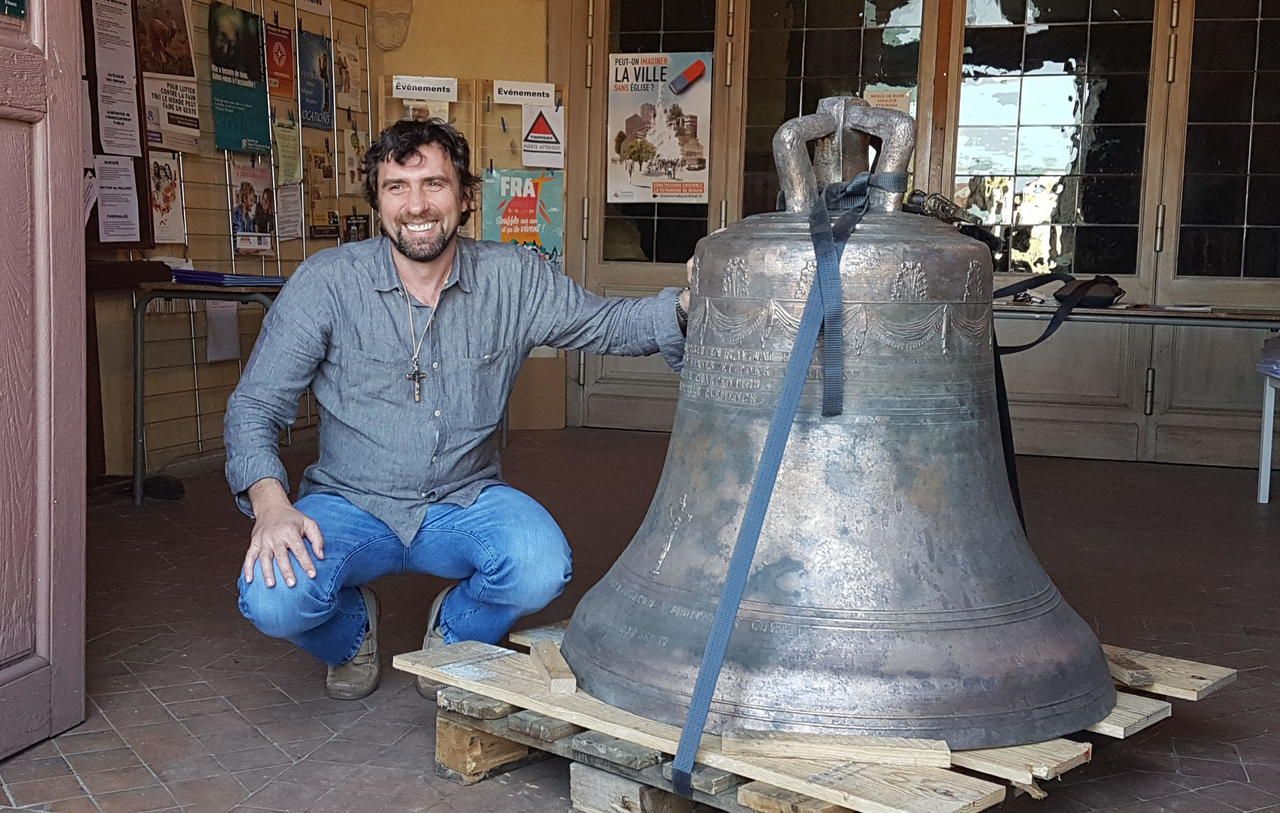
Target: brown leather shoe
433,640
359,676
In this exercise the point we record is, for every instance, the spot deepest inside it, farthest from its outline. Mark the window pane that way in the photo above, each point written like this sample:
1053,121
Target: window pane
1057,49
1213,200
1262,253
1057,90
803,51
1205,252
648,232
1057,11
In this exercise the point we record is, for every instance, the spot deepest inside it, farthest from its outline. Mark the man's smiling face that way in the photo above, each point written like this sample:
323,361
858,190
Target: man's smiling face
421,202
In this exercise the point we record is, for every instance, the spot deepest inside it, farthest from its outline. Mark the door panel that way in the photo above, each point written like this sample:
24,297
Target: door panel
636,249
42,424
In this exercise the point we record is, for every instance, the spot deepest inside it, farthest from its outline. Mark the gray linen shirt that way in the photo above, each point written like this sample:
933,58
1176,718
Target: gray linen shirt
341,326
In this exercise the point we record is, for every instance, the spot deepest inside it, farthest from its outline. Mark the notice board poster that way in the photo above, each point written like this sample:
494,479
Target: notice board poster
241,117
525,207
659,127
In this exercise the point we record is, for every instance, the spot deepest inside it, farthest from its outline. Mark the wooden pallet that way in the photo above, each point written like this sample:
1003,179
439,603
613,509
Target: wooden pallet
501,712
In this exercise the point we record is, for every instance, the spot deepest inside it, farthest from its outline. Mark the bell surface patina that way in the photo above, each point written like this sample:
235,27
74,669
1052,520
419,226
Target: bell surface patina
893,591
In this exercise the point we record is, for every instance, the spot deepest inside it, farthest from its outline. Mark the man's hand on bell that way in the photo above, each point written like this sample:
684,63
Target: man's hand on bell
281,529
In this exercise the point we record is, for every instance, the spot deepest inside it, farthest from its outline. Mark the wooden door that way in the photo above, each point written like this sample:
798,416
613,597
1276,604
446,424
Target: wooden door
42,424
637,249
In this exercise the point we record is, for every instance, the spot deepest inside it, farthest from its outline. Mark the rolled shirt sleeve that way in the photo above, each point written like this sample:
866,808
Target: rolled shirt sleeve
289,349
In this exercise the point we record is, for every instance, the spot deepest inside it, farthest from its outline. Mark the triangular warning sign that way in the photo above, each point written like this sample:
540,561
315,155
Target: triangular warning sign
540,132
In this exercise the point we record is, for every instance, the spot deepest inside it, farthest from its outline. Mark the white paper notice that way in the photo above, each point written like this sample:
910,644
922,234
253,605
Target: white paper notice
89,194
113,38
543,141
117,77
289,212
118,220
223,342
118,115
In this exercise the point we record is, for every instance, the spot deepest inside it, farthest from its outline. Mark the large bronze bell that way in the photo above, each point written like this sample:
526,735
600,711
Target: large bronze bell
893,591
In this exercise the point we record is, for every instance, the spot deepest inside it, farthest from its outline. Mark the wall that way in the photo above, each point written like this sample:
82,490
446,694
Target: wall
493,39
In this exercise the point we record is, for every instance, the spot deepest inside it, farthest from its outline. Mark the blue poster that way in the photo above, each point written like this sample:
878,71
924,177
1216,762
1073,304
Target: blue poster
238,86
315,80
525,207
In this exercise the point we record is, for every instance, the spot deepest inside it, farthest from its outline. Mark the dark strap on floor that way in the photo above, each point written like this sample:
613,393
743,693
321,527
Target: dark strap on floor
823,310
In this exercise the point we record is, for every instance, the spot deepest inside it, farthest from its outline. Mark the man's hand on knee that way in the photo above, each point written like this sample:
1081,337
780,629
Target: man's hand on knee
280,529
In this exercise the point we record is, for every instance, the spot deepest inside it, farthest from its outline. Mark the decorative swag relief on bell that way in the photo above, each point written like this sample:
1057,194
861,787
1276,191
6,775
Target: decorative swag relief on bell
893,591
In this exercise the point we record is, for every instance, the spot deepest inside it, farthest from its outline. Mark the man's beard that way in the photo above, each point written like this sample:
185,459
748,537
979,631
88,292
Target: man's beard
427,251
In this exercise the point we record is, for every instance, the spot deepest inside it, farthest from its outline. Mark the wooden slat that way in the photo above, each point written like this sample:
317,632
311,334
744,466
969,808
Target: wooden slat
595,791
1131,714
551,632
764,798
510,676
1025,763
471,704
540,726
1128,672
553,668
616,751
711,781
1173,677
842,747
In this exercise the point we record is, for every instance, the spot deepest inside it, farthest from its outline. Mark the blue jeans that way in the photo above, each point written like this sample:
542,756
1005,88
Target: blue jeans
510,557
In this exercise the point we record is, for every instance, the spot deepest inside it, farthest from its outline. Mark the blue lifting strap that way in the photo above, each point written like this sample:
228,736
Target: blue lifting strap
823,310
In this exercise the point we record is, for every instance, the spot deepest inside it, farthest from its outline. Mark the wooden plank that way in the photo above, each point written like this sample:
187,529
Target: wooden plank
712,781
540,726
1025,763
1173,677
1128,672
467,755
511,676
554,669
592,790
551,632
763,798
619,752
1131,714
842,747
471,704
650,775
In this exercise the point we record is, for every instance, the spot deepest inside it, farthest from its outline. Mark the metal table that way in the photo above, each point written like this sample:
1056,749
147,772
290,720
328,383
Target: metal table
263,296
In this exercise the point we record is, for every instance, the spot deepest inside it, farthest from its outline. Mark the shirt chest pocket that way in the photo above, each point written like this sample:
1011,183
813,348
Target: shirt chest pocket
479,388
367,375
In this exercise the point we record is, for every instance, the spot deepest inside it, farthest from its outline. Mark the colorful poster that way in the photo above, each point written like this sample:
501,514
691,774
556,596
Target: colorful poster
166,198
253,220
163,37
241,121
525,207
280,63
543,142
355,143
322,204
286,142
349,76
659,125
315,80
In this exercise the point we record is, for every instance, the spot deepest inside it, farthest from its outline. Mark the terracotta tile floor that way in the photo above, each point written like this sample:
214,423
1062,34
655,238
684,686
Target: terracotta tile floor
189,707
